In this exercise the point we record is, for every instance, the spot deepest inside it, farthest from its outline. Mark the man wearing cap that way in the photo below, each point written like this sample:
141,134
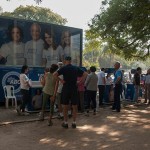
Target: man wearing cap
69,90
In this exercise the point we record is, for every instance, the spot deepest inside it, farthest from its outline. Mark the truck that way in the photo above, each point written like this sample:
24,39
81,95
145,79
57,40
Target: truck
36,44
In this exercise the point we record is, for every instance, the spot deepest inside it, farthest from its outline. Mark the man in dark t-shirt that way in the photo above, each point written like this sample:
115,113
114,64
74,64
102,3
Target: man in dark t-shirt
69,90
136,82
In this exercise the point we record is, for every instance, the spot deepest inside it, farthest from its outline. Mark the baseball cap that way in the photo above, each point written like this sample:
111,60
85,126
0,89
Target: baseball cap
67,58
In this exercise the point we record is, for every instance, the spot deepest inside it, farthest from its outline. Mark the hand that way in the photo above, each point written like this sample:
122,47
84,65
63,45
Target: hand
62,81
52,99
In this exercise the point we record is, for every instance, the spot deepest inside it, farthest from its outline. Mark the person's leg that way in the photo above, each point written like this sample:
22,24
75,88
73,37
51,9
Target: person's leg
119,91
74,112
74,101
50,123
93,97
146,92
88,100
44,102
59,105
100,95
25,99
65,102
115,98
136,93
81,94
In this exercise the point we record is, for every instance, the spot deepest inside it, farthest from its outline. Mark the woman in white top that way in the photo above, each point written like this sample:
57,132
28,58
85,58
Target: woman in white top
24,85
12,53
50,53
147,86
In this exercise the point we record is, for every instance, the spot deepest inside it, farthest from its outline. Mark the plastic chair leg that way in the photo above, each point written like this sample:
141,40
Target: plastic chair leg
15,103
12,102
6,103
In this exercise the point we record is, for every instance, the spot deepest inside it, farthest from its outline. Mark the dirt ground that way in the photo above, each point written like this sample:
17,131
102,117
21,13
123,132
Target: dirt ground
127,130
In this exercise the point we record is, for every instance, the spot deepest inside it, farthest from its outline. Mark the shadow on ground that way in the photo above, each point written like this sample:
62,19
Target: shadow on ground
128,130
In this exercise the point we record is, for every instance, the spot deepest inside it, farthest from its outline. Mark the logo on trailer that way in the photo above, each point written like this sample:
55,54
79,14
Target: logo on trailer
12,78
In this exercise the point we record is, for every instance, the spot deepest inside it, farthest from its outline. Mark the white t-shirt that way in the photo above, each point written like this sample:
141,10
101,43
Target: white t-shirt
60,85
14,53
23,81
147,79
51,56
101,76
33,52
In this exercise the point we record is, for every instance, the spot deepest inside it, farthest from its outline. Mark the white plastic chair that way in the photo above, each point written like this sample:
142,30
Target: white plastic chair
9,94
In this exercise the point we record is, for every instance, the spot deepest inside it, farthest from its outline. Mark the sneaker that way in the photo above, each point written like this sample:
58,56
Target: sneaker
64,125
50,123
114,110
74,125
60,117
41,117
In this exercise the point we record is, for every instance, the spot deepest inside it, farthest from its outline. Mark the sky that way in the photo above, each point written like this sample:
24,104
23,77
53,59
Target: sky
77,12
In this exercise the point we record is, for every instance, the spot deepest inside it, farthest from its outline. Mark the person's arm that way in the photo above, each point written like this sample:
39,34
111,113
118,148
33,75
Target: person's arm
87,81
55,91
43,80
83,75
58,73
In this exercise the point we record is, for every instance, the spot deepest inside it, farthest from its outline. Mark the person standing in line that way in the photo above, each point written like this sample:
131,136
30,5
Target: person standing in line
117,87
101,86
49,92
91,86
24,85
147,87
136,82
69,90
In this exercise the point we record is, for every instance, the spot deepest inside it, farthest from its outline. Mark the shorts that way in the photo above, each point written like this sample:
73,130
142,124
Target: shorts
69,95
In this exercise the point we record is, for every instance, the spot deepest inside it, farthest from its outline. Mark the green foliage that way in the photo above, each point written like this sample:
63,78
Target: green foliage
36,14
125,25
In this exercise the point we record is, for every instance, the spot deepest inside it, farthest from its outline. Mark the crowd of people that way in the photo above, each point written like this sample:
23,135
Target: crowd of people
72,88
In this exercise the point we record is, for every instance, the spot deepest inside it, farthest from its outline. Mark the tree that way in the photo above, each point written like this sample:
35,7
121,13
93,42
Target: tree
125,25
36,14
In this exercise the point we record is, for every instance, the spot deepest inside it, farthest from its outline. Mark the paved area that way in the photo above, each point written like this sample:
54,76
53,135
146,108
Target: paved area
128,130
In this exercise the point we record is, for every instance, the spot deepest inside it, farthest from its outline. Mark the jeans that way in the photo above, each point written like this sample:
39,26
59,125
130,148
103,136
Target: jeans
25,99
107,93
136,93
91,96
117,93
